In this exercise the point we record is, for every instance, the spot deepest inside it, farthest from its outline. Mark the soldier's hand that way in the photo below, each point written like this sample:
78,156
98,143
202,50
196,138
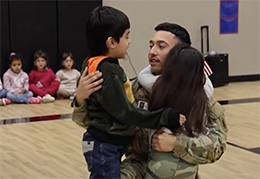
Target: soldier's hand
163,142
88,85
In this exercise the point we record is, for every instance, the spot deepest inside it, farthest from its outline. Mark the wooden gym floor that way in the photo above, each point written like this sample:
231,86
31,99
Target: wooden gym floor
41,141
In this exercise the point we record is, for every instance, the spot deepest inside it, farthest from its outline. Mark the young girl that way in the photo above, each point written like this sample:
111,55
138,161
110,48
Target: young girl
42,80
3,100
180,86
16,83
67,76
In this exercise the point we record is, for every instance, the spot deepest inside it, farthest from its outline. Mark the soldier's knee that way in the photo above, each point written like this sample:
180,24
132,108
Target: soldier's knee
132,170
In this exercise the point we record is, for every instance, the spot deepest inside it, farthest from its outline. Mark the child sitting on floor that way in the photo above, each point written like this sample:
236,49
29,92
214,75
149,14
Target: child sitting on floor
68,77
42,80
16,83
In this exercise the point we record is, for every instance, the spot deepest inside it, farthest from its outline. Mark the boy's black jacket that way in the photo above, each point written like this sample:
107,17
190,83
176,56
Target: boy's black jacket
113,111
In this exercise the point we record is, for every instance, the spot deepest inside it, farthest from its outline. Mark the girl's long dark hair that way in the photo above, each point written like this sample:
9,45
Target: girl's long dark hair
180,86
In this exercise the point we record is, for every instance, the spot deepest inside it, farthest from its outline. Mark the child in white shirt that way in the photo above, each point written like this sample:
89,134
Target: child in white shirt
68,77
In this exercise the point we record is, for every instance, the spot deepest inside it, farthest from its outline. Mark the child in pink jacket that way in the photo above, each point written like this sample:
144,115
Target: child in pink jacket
16,83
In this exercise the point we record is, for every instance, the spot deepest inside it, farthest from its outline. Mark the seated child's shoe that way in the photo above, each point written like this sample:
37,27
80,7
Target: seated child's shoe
72,96
37,100
5,101
2,102
48,98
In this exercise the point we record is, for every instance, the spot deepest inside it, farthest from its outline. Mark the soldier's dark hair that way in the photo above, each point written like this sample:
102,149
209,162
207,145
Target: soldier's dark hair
179,31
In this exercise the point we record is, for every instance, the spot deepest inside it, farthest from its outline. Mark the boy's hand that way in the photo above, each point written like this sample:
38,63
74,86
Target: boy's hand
182,119
88,85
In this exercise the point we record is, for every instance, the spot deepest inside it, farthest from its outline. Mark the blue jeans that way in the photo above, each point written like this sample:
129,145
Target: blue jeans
3,93
103,159
20,99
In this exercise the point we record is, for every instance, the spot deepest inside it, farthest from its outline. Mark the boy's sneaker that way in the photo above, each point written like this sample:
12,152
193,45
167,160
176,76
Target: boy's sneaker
48,98
34,100
5,101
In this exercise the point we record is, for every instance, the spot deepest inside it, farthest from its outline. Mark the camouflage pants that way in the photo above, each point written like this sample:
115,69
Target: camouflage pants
133,167
135,164
166,166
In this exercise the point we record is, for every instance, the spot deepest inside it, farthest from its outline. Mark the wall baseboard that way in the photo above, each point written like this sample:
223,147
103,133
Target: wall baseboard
244,78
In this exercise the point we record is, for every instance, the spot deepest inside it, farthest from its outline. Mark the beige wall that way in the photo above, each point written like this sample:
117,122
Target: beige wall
243,48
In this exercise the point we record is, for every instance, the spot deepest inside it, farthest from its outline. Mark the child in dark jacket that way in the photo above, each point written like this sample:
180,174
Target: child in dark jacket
112,111
42,80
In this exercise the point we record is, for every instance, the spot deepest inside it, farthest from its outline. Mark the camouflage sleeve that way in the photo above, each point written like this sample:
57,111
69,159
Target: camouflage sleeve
134,165
80,114
205,148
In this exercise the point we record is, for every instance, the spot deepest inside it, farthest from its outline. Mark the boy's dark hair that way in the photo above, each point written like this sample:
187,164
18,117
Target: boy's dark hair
39,54
14,57
179,31
64,56
104,22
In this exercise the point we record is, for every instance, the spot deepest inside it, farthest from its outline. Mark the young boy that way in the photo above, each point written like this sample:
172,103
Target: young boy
111,109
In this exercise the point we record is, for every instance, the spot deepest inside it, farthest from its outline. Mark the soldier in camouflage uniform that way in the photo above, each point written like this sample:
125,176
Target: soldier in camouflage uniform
166,164
201,150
